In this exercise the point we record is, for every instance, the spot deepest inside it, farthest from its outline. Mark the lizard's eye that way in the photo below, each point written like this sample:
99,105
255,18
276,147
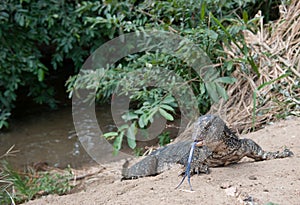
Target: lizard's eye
208,125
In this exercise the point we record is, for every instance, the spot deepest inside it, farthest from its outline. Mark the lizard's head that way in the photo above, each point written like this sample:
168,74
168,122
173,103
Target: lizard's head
207,130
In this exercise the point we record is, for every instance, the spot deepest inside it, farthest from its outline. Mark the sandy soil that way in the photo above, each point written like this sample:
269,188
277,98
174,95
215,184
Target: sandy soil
276,181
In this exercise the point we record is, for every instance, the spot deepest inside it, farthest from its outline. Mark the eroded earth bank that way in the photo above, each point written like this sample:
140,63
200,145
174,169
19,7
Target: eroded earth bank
276,181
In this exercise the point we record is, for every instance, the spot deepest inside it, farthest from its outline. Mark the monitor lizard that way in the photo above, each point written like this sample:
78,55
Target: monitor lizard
212,144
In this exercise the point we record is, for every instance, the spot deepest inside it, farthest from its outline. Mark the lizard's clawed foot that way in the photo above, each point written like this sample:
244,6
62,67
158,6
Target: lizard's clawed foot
287,153
198,170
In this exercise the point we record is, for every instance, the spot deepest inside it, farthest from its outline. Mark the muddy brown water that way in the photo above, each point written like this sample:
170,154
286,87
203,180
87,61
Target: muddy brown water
49,137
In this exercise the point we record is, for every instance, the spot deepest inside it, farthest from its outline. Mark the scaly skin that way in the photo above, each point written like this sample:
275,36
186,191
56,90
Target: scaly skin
211,145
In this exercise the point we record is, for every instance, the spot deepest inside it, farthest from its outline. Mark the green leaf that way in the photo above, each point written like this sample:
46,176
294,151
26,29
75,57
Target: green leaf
202,88
130,116
142,122
165,114
229,66
123,127
167,107
212,91
211,74
118,143
228,80
245,17
212,34
41,75
221,91
169,99
203,7
272,81
110,134
131,136
149,118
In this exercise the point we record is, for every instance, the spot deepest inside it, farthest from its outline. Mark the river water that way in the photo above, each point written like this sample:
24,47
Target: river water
50,137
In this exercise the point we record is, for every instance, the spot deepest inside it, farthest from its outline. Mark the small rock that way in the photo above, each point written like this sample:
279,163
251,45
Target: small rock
248,199
225,186
252,177
265,190
232,191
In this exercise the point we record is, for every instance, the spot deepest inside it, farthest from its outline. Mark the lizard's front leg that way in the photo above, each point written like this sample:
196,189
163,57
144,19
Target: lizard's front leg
254,151
195,162
188,166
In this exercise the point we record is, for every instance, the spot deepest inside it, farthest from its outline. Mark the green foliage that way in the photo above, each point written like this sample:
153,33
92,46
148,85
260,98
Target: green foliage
164,139
138,151
254,113
176,16
117,137
234,35
18,187
4,115
37,37
142,117
46,33
150,107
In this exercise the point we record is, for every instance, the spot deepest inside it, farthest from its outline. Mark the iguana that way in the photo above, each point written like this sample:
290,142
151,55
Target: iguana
212,144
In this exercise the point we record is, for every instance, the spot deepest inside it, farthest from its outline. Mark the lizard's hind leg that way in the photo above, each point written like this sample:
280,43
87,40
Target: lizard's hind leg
254,151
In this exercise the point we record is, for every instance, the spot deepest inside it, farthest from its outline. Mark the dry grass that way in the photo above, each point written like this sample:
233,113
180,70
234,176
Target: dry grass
9,153
276,49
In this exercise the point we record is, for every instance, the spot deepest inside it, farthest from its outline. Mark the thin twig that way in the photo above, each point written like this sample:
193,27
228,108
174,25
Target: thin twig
10,152
159,20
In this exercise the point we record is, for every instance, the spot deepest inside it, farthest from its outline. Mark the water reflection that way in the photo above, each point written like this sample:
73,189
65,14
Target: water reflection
50,137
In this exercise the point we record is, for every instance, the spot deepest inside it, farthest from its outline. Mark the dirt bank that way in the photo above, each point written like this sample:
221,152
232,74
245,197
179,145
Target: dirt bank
247,182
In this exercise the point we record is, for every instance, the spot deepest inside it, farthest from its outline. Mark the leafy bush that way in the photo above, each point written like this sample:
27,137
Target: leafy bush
194,20
164,138
36,38
47,33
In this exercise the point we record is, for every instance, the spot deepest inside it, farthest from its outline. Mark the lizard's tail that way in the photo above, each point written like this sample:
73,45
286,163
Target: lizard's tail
145,167
158,161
